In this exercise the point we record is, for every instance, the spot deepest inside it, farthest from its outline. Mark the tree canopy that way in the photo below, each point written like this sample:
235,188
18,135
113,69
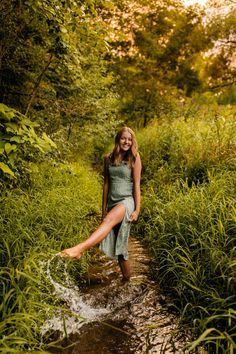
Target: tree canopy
76,67
220,69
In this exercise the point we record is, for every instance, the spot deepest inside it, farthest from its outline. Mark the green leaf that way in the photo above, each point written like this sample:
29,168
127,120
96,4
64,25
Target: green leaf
203,337
49,141
6,169
6,113
28,122
17,139
9,148
11,127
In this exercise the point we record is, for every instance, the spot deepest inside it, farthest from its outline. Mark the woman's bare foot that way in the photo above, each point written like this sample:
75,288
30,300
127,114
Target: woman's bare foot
71,253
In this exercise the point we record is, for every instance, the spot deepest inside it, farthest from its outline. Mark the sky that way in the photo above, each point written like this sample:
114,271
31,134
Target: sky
191,2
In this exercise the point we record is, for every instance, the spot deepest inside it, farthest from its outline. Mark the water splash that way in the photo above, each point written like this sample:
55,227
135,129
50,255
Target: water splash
80,310
130,317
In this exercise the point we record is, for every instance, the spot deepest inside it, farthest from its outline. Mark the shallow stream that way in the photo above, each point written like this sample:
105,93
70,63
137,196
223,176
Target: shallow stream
116,317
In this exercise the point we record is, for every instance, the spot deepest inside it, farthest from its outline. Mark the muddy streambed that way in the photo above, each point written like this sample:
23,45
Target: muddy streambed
116,317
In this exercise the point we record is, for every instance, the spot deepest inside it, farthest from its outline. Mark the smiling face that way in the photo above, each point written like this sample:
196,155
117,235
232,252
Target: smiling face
126,141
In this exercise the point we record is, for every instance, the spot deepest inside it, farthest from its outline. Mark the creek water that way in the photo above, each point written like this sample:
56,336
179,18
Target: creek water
109,316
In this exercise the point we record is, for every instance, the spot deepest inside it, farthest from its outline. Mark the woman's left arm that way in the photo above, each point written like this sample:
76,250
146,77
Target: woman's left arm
136,188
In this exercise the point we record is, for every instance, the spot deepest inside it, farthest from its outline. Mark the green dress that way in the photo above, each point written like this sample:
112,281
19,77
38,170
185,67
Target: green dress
120,192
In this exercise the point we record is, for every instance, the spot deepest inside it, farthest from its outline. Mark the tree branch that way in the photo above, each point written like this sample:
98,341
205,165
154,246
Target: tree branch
37,83
223,85
227,41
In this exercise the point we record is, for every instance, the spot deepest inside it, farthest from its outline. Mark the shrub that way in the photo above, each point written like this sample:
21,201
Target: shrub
19,145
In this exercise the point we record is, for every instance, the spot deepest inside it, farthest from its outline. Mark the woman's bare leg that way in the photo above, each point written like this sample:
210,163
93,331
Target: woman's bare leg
114,217
125,267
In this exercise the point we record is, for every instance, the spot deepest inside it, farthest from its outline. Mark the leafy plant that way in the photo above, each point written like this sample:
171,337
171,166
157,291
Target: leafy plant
19,143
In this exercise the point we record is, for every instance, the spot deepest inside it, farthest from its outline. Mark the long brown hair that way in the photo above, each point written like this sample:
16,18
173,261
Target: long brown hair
131,154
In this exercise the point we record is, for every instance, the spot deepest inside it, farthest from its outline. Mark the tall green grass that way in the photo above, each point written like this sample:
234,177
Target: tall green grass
188,145
58,210
188,221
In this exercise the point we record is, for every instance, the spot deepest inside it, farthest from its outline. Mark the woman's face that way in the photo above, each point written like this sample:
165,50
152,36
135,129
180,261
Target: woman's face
125,141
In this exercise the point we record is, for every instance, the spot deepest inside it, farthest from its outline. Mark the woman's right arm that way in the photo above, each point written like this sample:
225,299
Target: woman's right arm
105,187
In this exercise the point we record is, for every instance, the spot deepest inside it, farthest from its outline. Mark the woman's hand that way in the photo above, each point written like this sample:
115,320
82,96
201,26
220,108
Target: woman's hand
134,216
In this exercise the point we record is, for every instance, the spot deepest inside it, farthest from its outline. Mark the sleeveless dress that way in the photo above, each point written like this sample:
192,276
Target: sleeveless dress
120,192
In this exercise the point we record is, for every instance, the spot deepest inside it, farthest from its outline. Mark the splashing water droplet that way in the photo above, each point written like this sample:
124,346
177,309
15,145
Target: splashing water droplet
81,310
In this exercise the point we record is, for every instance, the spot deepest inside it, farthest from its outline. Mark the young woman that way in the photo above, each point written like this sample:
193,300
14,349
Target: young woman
120,205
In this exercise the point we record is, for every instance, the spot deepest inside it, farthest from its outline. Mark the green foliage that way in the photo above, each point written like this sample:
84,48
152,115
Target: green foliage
221,27
228,96
154,51
19,143
202,137
188,219
57,211
53,65
191,232
89,142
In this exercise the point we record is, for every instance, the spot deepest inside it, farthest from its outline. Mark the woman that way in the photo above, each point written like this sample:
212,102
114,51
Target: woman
120,205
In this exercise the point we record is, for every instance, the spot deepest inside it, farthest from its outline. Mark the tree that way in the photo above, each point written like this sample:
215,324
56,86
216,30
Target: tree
220,69
154,50
52,65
